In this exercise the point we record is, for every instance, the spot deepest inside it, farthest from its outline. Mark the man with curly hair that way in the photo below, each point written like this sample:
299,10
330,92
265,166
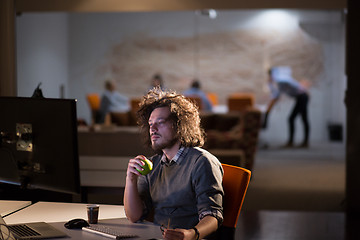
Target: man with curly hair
184,190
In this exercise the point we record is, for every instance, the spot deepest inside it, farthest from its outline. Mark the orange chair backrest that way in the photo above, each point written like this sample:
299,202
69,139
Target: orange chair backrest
235,183
94,101
213,98
240,101
134,104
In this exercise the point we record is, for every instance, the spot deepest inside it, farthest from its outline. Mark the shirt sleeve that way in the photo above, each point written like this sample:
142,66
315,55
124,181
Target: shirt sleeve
274,90
207,181
143,189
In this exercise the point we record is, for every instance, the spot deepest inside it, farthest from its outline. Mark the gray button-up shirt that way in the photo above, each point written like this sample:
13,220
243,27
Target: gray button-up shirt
184,190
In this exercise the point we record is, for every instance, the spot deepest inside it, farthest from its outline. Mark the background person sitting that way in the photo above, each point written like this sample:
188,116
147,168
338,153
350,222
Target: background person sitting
112,101
195,91
157,81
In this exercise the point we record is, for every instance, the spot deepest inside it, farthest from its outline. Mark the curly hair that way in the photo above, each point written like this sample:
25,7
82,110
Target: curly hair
184,116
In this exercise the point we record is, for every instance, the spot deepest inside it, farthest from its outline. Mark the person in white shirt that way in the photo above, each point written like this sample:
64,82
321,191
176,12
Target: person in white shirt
195,90
112,101
281,81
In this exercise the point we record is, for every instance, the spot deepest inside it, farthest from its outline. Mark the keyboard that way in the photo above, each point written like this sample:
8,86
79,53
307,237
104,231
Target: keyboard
23,231
108,232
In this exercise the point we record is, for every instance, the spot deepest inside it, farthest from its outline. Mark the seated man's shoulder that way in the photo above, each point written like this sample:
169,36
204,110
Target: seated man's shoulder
198,151
204,156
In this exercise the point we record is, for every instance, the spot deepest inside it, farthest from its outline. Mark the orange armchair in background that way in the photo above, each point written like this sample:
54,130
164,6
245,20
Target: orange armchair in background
93,100
213,98
240,101
126,118
94,104
134,106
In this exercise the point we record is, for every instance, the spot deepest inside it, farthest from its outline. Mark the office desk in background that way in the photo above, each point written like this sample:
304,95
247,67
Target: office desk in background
8,207
56,214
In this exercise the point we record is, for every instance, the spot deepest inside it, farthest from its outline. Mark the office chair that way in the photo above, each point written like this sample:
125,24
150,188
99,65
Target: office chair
240,101
235,183
94,103
134,104
213,98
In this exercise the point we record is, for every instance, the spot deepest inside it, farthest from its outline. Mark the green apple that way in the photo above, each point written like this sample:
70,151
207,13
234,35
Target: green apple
147,167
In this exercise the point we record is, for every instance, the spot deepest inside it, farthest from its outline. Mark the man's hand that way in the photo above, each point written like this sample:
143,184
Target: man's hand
134,163
132,202
270,106
206,226
179,234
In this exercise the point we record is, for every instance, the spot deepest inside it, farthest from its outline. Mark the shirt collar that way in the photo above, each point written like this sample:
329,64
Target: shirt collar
176,159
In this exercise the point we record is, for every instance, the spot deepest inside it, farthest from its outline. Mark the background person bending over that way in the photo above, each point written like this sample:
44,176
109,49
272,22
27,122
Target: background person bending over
281,81
112,101
184,189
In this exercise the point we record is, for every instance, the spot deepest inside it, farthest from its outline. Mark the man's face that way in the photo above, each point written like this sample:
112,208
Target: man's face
162,133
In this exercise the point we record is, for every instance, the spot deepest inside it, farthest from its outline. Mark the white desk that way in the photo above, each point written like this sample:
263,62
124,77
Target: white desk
7,207
61,212
56,214
144,231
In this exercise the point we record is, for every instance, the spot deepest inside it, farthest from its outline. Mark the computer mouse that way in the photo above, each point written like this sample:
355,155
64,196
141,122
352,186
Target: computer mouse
77,223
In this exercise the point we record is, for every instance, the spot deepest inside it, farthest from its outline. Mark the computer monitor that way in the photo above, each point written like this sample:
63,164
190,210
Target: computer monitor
39,144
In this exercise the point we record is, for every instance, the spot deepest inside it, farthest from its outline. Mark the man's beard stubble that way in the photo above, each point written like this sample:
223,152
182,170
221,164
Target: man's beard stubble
159,147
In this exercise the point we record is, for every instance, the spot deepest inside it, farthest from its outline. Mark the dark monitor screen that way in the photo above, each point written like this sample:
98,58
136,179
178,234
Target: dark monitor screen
39,144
